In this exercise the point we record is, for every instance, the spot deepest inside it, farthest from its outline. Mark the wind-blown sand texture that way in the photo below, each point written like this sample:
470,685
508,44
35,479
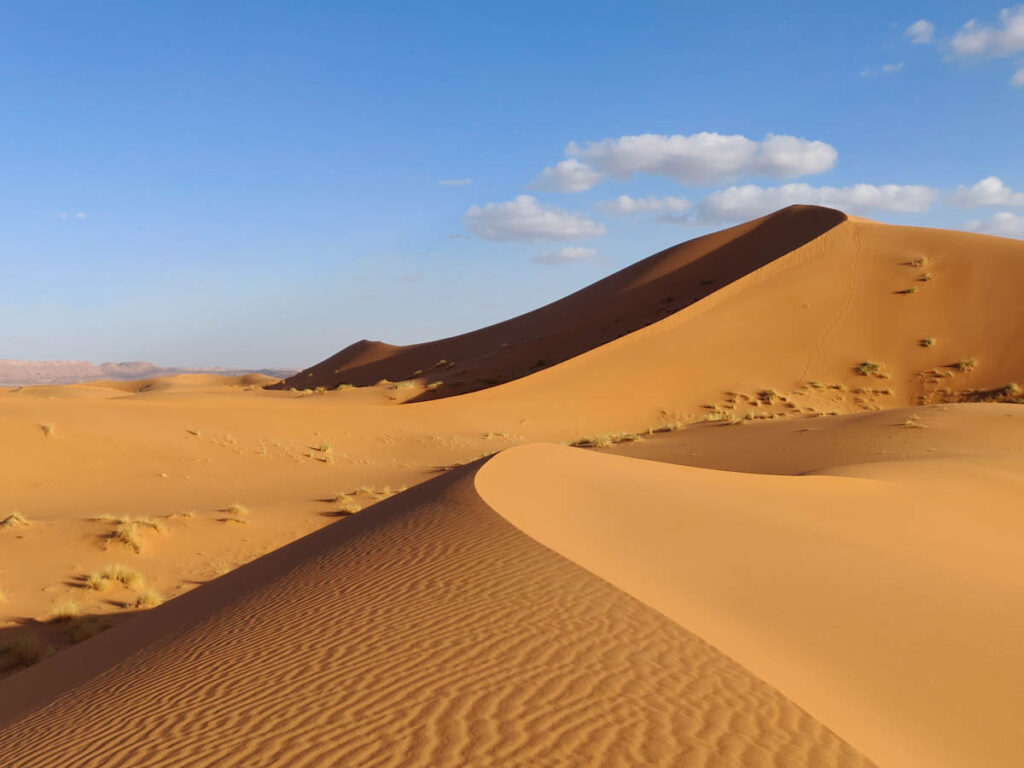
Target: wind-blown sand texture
777,557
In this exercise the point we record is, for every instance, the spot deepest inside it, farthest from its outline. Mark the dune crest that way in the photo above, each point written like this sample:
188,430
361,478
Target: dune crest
624,302
431,633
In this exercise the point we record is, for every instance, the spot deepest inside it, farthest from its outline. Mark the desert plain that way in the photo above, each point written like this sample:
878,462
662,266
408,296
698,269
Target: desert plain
753,501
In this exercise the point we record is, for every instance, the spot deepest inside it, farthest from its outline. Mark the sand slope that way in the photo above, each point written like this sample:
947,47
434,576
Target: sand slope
887,599
615,306
430,633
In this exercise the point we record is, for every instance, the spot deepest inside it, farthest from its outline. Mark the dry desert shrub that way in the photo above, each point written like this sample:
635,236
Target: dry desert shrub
62,610
83,629
127,533
48,429
14,520
22,651
927,342
148,599
966,366
867,368
122,574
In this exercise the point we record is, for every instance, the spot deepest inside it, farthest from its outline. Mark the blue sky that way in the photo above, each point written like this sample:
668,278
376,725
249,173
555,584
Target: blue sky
255,183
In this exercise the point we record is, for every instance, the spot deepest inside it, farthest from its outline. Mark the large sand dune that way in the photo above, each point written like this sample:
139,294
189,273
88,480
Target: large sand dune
781,557
431,633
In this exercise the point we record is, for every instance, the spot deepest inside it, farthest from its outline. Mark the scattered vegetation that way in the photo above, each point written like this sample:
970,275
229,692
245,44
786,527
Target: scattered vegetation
913,421
85,628
122,574
868,368
14,520
925,277
927,342
966,366
603,441
128,534
918,261
62,610
22,651
237,509
404,385
148,599
908,291
48,429
434,385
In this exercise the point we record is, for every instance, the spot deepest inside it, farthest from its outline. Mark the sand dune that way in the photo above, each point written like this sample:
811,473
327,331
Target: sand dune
618,305
781,555
430,633
885,600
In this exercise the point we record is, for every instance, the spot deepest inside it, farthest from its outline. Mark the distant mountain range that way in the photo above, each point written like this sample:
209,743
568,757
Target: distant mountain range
33,372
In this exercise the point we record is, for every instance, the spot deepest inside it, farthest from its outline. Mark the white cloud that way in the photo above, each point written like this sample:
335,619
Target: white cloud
527,220
66,216
567,255
567,176
1006,38
989,191
1004,224
1018,78
921,32
750,201
455,182
79,215
703,158
626,205
887,69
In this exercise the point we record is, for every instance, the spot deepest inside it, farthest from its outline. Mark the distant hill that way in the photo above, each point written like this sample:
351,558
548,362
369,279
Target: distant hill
15,373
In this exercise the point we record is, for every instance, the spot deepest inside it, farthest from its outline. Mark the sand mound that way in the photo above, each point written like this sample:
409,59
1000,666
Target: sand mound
886,600
431,633
620,304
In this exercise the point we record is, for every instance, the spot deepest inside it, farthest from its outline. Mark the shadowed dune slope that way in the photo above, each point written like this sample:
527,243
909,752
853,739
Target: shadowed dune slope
617,305
812,315
885,599
430,633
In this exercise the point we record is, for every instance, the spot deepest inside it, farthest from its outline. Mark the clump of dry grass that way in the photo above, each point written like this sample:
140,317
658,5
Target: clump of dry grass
237,509
966,366
914,421
434,385
156,525
62,610
927,342
868,368
148,599
23,651
918,261
128,534
908,291
122,574
14,520
925,277
404,385
83,629
49,430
